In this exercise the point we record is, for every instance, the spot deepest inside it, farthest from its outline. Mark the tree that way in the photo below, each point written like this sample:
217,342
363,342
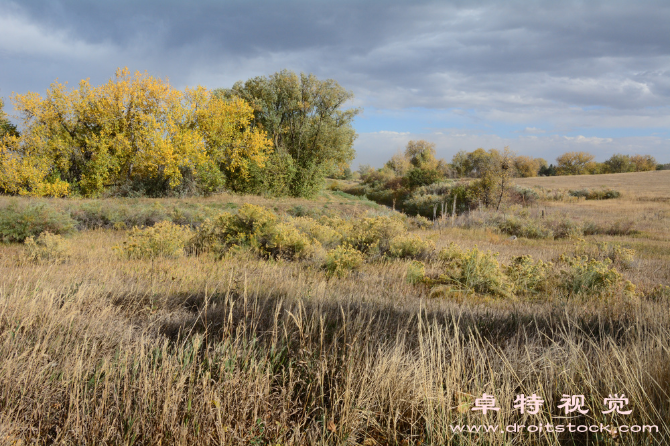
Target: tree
643,163
131,130
305,118
619,164
460,163
495,170
399,163
526,166
6,127
421,154
575,163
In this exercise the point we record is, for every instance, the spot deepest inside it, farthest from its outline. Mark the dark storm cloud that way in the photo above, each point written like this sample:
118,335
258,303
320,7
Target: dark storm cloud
584,53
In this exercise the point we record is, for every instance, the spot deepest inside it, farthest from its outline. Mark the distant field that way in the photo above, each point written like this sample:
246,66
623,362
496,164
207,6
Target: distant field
639,185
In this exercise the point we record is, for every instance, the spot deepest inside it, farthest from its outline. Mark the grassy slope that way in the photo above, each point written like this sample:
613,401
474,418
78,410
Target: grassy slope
200,351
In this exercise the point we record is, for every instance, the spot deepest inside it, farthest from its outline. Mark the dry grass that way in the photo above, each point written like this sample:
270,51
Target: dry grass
653,185
105,350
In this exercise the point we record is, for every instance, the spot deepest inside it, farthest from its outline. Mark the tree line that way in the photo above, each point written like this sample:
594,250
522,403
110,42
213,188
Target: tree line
418,165
137,135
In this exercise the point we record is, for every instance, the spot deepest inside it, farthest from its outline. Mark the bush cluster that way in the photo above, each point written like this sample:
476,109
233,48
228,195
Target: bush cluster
18,223
165,239
595,194
47,247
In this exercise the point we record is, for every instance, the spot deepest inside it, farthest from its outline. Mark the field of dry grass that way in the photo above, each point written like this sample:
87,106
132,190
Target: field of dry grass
100,349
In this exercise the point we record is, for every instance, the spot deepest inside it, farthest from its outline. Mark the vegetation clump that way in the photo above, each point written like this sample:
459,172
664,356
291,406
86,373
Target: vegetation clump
342,260
474,271
529,276
585,276
410,247
47,247
165,239
18,223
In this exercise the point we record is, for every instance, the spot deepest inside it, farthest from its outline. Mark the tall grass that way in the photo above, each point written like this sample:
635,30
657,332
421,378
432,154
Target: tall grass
251,352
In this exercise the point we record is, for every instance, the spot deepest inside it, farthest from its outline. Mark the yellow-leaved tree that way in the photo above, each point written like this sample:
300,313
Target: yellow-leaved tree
134,132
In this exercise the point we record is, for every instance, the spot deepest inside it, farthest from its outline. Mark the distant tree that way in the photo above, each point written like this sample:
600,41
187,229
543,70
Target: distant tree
421,154
399,163
417,177
306,119
619,164
526,166
643,163
575,163
460,164
547,171
479,161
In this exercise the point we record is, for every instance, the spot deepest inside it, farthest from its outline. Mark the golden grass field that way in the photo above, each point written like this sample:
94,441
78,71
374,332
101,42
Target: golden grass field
100,349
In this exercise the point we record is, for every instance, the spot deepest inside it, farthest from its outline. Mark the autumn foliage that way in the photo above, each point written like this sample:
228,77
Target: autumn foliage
135,132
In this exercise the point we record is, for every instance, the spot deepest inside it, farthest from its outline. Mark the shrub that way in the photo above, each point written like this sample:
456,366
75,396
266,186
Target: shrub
286,242
17,224
165,239
524,228
566,228
410,247
373,235
325,235
621,227
416,272
528,276
591,276
474,270
342,260
660,293
623,257
595,194
47,247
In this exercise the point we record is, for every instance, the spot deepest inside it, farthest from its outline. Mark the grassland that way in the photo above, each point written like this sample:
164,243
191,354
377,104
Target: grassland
101,349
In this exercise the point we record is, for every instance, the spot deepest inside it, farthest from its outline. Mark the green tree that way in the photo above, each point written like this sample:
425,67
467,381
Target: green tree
6,127
305,119
619,164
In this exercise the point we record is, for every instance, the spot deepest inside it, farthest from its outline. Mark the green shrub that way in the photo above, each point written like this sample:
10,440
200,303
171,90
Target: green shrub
327,236
566,228
17,224
373,235
528,276
47,247
474,270
410,247
595,194
256,228
591,276
286,242
165,239
524,228
660,293
416,272
342,260
623,257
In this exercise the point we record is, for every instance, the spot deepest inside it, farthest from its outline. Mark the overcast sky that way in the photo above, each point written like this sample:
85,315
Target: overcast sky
543,77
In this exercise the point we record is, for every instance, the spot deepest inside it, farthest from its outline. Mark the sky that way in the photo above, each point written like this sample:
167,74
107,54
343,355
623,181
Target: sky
542,77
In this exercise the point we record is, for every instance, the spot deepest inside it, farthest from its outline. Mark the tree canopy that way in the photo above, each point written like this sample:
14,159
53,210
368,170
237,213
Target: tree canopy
306,120
133,131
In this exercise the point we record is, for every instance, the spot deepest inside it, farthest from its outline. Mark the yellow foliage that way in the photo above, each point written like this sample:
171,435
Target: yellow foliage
132,127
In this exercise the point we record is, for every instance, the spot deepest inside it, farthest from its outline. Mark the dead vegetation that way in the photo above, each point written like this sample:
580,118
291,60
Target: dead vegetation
101,348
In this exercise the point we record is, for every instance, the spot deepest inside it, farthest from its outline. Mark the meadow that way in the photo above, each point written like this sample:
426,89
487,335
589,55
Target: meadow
251,338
